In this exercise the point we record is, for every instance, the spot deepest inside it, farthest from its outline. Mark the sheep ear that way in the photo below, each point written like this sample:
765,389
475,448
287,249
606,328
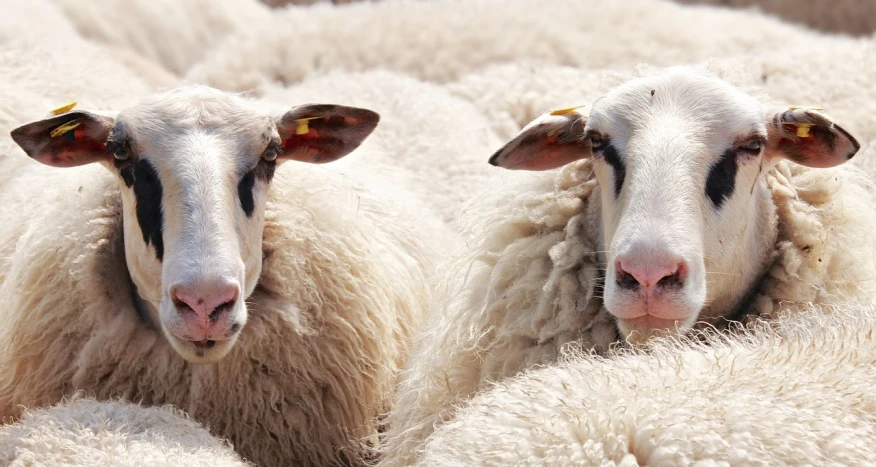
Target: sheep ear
809,138
550,141
66,140
320,133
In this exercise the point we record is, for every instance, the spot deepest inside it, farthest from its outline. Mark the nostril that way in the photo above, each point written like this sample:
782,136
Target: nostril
649,276
222,308
626,280
206,300
676,279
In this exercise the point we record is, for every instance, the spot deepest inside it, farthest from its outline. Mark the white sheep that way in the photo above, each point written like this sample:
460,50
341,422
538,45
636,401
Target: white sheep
683,212
83,432
830,72
800,394
172,34
274,307
402,35
432,143
44,62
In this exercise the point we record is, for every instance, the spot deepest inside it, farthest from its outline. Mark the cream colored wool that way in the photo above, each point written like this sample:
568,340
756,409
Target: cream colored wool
84,432
829,72
441,40
343,288
171,33
800,394
428,142
41,52
528,284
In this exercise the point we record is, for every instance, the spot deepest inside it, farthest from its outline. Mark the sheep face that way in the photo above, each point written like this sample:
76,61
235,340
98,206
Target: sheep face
687,222
194,167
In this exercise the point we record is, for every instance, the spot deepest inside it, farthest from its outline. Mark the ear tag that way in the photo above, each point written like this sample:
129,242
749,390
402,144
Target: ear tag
65,128
64,108
303,128
567,110
807,107
803,129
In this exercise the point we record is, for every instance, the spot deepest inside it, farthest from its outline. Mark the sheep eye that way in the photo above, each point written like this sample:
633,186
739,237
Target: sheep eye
752,145
597,142
120,151
273,150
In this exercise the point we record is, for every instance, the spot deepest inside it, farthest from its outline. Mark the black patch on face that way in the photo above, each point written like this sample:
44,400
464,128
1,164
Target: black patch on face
613,159
244,192
722,179
147,192
264,172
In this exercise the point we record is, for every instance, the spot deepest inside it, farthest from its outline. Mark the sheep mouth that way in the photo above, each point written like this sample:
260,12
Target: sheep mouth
203,351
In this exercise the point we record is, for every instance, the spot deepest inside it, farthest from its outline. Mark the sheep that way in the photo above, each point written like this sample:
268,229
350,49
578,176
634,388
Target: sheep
604,250
474,34
444,165
794,392
511,95
43,61
113,433
273,304
172,34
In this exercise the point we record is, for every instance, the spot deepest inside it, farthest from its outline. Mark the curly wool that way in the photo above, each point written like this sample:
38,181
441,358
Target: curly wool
113,433
529,286
795,391
343,287
401,35
172,35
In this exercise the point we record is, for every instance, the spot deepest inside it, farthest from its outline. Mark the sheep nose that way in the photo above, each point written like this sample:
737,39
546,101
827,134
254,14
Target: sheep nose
668,274
208,300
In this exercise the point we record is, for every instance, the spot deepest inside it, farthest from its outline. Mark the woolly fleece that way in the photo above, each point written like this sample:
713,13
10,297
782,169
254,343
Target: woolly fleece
86,432
528,285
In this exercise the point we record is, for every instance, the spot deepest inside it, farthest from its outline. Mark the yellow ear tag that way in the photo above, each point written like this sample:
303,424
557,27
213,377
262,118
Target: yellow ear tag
303,128
567,110
808,107
803,129
65,128
64,108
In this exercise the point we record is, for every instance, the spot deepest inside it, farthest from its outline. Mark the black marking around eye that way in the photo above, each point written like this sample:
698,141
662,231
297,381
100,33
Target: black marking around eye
612,157
722,179
147,192
244,192
264,172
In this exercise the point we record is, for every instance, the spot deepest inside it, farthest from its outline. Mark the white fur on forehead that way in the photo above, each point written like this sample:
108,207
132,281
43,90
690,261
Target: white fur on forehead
700,95
197,106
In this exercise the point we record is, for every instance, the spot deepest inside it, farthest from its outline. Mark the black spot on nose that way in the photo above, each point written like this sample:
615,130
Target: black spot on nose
147,192
722,179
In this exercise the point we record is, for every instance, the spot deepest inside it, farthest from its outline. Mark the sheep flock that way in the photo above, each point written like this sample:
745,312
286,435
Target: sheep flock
437,232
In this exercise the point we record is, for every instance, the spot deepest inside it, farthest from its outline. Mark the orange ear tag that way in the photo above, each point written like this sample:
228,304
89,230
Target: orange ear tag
72,124
63,109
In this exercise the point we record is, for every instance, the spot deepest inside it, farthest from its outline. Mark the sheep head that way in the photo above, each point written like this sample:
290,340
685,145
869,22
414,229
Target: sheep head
194,167
687,221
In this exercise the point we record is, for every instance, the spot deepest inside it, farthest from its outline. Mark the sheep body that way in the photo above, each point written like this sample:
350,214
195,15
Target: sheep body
87,432
171,34
474,34
794,393
528,285
343,287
